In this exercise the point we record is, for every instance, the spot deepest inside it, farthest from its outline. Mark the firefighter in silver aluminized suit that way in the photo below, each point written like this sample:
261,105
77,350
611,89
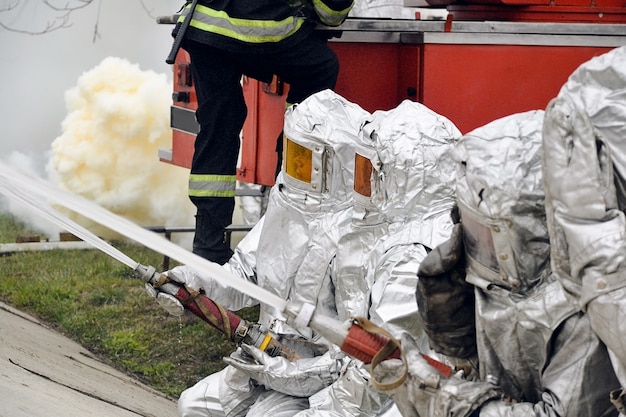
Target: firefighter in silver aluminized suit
401,170
352,394
288,253
412,186
414,191
585,179
538,355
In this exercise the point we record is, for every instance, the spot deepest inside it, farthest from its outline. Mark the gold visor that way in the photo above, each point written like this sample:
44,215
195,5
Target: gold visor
362,175
298,161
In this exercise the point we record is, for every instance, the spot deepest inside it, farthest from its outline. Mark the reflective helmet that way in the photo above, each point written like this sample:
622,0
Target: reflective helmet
319,137
412,173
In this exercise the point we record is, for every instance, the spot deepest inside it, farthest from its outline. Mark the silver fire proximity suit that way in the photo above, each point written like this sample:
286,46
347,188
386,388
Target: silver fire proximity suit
585,180
399,156
352,394
538,355
288,253
413,188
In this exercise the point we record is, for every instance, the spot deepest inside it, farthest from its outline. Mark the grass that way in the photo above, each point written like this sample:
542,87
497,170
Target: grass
96,301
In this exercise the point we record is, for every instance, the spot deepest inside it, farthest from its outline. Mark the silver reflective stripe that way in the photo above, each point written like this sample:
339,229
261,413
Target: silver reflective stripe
207,185
250,31
329,16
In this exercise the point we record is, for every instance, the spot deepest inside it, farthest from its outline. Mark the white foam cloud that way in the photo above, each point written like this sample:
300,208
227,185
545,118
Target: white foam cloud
118,118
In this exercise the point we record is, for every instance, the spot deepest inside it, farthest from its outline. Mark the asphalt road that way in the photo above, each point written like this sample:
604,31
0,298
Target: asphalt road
44,374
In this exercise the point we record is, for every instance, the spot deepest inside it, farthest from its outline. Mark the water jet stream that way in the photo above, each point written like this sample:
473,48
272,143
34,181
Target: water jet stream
24,188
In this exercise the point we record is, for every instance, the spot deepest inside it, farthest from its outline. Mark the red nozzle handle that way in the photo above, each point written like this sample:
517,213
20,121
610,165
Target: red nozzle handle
362,345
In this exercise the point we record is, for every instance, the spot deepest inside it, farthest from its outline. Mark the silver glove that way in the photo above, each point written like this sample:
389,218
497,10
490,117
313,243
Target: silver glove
300,378
167,301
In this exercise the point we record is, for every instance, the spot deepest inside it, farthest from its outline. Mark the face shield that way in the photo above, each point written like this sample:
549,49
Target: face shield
512,253
488,248
304,167
363,170
318,148
366,177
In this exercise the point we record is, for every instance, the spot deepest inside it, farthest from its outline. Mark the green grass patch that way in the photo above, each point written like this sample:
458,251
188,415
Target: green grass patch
96,301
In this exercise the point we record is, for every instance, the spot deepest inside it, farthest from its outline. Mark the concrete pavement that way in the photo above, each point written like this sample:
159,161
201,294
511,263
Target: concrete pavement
44,374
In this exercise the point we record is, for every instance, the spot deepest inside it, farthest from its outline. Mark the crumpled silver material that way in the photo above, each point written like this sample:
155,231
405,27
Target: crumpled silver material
253,207
532,341
367,227
415,193
585,176
351,395
289,252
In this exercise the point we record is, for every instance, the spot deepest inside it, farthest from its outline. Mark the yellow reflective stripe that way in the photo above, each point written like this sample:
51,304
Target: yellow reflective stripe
210,193
209,185
250,31
212,178
329,16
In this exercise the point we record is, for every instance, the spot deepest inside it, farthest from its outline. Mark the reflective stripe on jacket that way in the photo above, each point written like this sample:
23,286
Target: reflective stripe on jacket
235,24
206,185
332,12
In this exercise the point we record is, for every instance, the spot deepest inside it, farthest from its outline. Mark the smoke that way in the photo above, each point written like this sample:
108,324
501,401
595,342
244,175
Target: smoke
117,119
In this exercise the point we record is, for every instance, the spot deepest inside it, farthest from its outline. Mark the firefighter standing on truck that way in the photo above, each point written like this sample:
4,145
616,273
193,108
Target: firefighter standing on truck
227,39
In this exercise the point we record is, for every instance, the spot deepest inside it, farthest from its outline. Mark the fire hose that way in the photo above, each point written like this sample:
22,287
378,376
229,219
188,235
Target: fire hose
231,325
358,337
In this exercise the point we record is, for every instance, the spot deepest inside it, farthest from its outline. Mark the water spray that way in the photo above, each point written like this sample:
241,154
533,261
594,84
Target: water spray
234,327
16,183
358,337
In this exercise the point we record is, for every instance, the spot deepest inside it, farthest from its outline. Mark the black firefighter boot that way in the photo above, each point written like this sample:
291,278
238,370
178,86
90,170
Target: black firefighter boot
209,240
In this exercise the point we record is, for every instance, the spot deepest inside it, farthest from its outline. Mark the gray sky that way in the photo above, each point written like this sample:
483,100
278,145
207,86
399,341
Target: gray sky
37,69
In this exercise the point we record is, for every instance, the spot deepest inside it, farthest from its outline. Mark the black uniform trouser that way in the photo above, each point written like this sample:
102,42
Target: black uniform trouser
308,67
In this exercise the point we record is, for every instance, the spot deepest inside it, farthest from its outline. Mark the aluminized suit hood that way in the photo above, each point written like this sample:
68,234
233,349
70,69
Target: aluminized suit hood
324,124
598,89
416,176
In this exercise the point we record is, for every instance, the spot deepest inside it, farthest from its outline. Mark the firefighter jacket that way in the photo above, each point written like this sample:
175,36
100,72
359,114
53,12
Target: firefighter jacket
261,25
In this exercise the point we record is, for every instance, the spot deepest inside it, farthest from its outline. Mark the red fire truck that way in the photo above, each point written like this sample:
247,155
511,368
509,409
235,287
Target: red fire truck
483,60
